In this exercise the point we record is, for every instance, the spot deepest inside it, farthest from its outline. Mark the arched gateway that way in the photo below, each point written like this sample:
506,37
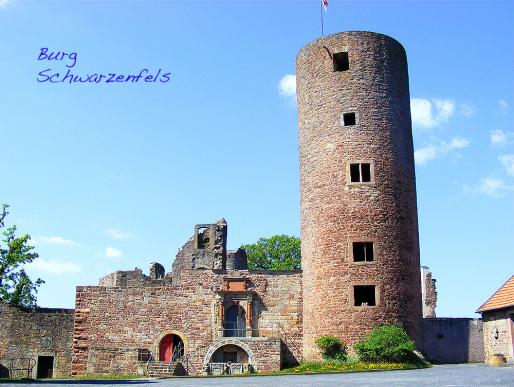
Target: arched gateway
171,347
229,356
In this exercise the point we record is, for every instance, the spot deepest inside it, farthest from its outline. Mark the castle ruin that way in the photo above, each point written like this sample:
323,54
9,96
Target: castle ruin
360,249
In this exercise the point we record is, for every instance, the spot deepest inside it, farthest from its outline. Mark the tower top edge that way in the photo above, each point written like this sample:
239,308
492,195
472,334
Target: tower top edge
319,41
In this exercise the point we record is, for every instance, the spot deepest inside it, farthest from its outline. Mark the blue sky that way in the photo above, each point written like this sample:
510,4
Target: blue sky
114,176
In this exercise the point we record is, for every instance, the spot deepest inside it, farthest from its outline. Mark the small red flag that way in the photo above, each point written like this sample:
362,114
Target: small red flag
325,4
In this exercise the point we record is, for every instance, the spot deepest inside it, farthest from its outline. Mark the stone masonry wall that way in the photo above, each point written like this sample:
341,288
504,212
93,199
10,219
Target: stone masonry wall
42,332
499,333
112,323
429,295
453,340
335,211
132,278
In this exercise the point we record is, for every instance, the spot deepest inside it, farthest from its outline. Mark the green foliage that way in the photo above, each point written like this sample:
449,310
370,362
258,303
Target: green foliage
331,348
279,252
387,343
16,288
330,366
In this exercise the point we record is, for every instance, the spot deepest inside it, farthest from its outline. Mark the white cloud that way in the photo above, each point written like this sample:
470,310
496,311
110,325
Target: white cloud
4,3
507,163
493,187
433,151
425,154
467,110
287,86
53,266
504,106
445,108
111,252
53,241
431,113
499,137
119,235
421,111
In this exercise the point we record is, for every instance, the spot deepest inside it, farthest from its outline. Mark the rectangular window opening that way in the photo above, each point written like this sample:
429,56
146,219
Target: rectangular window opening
341,62
354,173
349,119
203,238
359,253
363,252
364,295
143,355
366,172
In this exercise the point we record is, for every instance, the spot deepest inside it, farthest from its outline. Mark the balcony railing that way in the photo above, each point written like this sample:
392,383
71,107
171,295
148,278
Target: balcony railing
229,368
261,332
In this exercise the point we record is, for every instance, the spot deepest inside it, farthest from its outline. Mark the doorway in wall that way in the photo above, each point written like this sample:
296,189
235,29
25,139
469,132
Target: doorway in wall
171,348
45,367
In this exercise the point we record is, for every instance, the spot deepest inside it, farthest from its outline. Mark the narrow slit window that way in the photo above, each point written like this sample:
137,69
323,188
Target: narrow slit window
341,62
363,252
364,295
349,119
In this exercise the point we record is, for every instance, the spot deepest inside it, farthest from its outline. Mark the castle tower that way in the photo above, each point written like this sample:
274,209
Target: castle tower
360,248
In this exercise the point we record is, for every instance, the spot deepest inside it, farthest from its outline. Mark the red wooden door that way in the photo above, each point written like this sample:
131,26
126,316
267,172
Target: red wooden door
166,348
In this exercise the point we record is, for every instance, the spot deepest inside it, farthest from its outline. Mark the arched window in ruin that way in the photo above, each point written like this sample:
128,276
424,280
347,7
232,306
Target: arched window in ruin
235,322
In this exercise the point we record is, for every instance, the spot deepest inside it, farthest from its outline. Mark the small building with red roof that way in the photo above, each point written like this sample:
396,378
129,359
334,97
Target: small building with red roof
498,322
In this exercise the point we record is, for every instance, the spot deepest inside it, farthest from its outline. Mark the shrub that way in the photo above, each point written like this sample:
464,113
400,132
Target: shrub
387,343
331,348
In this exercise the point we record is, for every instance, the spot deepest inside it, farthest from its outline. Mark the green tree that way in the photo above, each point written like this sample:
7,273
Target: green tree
279,252
16,288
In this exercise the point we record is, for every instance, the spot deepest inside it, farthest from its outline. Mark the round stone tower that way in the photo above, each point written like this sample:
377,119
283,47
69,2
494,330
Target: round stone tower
360,247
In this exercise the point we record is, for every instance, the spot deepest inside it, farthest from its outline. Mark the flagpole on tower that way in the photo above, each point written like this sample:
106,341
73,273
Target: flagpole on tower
322,4
321,15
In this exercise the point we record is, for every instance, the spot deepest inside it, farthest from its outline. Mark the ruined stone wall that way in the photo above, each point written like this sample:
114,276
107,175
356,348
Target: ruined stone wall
428,293
207,249
430,299
132,278
335,211
41,332
112,323
453,340
499,333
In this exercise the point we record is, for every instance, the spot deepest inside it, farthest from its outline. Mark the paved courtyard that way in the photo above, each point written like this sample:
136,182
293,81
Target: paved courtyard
443,375
446,375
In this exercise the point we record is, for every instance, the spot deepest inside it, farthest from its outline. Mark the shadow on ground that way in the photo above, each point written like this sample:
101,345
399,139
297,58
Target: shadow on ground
67,382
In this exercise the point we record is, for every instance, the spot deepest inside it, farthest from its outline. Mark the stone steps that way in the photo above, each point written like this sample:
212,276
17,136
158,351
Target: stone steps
160,369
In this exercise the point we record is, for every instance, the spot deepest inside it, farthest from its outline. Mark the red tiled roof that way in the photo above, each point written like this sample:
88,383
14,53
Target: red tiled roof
502,298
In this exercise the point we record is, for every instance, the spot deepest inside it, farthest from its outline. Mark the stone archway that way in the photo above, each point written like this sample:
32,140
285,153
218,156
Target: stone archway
219,344
171,348
166,334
